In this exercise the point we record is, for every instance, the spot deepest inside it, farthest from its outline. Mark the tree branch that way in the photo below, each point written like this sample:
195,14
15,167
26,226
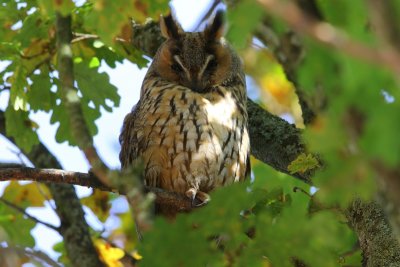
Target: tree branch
176,201
21,210
51,176
79,129
379,246
274,141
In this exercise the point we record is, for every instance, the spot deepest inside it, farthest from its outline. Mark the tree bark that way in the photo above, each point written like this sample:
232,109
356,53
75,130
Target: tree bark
377,242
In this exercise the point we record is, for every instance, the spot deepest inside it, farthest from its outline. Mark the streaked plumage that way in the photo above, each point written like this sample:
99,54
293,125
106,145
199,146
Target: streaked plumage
190,124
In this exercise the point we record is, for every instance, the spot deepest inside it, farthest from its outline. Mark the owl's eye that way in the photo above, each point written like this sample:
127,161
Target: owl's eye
212,64
176,67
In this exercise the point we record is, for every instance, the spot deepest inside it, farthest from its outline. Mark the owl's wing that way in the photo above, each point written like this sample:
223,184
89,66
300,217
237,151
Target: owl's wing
129,138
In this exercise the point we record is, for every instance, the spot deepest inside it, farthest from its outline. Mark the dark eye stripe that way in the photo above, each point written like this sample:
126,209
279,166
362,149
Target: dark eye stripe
176,67
212,64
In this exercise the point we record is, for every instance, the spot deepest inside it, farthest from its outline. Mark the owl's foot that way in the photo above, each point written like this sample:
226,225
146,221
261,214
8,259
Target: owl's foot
198,198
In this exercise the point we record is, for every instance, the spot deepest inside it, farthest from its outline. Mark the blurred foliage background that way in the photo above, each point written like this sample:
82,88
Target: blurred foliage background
329,67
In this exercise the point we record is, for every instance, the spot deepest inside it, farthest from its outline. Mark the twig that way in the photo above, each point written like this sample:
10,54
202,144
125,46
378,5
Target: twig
18,154
299,189
327,34
86,36
41,53
45,196
21,210
29,252
83,36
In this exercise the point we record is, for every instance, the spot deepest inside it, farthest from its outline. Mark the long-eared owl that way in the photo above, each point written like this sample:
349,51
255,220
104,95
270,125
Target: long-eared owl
190,124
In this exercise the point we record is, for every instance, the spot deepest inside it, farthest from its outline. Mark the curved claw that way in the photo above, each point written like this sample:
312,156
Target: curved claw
198,198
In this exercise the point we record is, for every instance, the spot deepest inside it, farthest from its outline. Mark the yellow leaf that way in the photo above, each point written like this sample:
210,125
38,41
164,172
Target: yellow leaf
136,255
108,254
25,195
99,203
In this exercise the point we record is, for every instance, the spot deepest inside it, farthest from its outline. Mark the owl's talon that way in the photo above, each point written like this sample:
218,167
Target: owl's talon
198,198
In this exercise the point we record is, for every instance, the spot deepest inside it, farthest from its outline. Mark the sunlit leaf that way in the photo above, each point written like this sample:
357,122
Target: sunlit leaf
26,195
99,203
20,127
303,163
95,86
108,254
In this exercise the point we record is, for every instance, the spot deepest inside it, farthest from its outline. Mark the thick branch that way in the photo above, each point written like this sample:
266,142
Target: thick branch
273,140
379,246
79,129
389,197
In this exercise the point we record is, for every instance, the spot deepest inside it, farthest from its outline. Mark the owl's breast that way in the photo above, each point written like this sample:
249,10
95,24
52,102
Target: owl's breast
192,140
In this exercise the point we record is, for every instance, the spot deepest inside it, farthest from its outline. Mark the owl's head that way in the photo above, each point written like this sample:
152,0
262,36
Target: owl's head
197,60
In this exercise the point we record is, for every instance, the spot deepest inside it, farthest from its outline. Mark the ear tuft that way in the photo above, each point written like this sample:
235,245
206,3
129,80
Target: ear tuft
169,27
216,30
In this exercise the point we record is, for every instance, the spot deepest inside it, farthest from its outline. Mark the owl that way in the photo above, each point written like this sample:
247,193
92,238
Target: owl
189,127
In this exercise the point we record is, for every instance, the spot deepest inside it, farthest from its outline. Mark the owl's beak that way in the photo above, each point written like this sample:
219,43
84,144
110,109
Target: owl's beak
196,86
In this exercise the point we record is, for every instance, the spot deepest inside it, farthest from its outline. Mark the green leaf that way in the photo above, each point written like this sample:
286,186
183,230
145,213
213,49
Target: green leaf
59,115
8,50
303,163
94,62
90,114
243,19
96,86
39,95
132,54
316,240
60,248
21,128
108,18
18,99
350,16
107,54
65,7
381,138
346,177
34,27
17,229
